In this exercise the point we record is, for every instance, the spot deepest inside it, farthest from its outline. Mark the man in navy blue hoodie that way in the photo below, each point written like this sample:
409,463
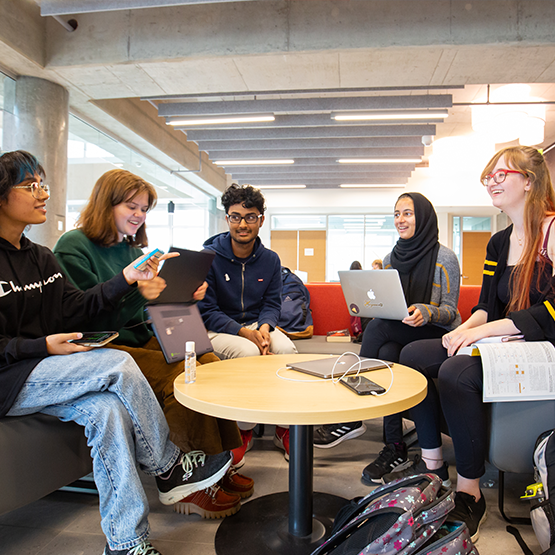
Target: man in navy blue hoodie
243,302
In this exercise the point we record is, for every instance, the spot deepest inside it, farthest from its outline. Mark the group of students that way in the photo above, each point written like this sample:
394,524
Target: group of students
517,297
123,396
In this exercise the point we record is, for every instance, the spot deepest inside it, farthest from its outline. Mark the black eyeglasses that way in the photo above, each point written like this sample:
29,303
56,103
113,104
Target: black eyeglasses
249,218
499,176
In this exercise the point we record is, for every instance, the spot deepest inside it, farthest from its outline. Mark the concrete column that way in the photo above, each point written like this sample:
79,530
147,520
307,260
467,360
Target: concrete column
36,120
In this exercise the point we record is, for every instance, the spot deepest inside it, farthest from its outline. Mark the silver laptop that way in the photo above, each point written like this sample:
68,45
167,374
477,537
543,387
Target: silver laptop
174,324
374,294
324,367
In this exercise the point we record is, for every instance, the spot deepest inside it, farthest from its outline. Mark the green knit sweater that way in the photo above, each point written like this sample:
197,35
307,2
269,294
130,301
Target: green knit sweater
87,264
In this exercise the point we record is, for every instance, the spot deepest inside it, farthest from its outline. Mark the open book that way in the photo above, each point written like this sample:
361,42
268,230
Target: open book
474,349
517,370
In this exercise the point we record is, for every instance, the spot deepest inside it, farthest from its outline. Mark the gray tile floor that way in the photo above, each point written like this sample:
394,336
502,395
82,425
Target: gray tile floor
69,524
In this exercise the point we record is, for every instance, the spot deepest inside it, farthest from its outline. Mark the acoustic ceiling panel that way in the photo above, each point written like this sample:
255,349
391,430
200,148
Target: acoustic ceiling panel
304,142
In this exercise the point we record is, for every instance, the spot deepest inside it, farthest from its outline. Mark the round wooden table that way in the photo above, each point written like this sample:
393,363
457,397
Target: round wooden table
249,390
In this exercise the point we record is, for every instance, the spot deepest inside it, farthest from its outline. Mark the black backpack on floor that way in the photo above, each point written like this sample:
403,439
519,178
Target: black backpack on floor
296,318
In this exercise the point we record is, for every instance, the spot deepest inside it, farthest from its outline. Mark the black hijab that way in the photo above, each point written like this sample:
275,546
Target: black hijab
415,258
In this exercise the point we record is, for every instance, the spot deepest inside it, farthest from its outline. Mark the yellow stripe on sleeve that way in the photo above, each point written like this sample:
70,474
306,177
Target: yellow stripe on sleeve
447,283
550,309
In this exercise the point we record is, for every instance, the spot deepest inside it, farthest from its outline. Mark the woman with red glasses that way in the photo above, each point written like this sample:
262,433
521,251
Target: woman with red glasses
516,297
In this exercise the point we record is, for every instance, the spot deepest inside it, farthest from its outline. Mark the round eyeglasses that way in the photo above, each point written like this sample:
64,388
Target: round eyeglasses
499,176
37,189
249,218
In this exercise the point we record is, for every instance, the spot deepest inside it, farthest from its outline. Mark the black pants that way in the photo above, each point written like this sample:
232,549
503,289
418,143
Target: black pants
460,382
384,339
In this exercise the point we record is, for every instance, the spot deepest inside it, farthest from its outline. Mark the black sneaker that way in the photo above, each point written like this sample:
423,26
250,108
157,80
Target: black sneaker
193,471
418,466
390,460
333,434
144,548
471,512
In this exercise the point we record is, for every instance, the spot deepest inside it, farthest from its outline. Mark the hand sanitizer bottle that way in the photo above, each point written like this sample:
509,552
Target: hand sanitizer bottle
190,362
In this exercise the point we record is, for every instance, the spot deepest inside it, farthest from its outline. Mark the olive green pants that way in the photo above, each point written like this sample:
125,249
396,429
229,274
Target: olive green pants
189,430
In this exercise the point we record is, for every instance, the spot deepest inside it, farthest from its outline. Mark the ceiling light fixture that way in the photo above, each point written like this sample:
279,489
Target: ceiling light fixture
371,185
280,186
377,116
251,162
221,119
379,160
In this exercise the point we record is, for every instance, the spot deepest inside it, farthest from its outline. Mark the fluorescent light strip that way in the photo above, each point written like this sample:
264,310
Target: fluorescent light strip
280,186
220,119
376,116
379,160
251,162
369,185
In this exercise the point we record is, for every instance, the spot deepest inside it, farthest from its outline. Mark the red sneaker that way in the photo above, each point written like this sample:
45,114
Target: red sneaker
236,483
281,440
212,502
239,452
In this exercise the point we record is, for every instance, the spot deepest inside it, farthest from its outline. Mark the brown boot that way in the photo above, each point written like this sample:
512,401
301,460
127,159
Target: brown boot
237,484
212,502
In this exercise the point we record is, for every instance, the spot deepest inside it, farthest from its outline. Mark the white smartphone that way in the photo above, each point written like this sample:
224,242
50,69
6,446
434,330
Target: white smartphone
95,338
141,264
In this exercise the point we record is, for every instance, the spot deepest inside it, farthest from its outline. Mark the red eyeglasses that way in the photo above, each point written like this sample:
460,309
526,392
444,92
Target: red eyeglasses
499,176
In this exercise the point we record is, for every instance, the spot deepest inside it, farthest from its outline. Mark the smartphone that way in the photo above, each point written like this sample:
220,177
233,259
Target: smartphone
95,338
141,264
361,385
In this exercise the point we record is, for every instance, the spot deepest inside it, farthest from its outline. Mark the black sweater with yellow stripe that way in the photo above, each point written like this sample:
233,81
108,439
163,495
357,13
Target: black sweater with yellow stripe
537,323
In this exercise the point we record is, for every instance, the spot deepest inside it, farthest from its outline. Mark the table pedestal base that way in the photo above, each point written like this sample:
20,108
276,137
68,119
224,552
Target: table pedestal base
262,526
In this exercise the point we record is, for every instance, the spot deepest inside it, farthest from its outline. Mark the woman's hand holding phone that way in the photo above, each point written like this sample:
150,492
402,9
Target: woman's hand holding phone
133,274
59,344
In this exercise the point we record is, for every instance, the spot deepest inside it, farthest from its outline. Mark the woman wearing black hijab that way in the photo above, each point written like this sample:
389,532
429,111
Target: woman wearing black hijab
430,276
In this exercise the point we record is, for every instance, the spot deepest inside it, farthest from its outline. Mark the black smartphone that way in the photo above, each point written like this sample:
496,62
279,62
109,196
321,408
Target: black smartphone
95,338
362,386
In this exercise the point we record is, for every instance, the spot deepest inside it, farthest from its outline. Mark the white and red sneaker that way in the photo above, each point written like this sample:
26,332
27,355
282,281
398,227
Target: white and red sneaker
281,440
239,452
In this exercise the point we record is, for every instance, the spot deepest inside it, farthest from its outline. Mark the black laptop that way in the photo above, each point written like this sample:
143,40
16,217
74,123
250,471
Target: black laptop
184,274
174,316
174,325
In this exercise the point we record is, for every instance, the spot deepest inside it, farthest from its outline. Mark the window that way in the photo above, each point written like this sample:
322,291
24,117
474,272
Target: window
362,237
3,80
91,153
298,221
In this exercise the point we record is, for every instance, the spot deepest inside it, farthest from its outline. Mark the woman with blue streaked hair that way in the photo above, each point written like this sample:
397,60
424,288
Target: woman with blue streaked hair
43,369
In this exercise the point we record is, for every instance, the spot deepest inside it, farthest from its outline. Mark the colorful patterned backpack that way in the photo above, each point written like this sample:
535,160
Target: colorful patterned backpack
405,517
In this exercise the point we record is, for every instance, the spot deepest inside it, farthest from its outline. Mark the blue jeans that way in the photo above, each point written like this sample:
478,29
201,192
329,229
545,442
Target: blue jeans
105,392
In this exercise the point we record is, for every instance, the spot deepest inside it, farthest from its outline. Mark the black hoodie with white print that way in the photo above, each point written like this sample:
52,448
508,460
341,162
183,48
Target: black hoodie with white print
37,300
